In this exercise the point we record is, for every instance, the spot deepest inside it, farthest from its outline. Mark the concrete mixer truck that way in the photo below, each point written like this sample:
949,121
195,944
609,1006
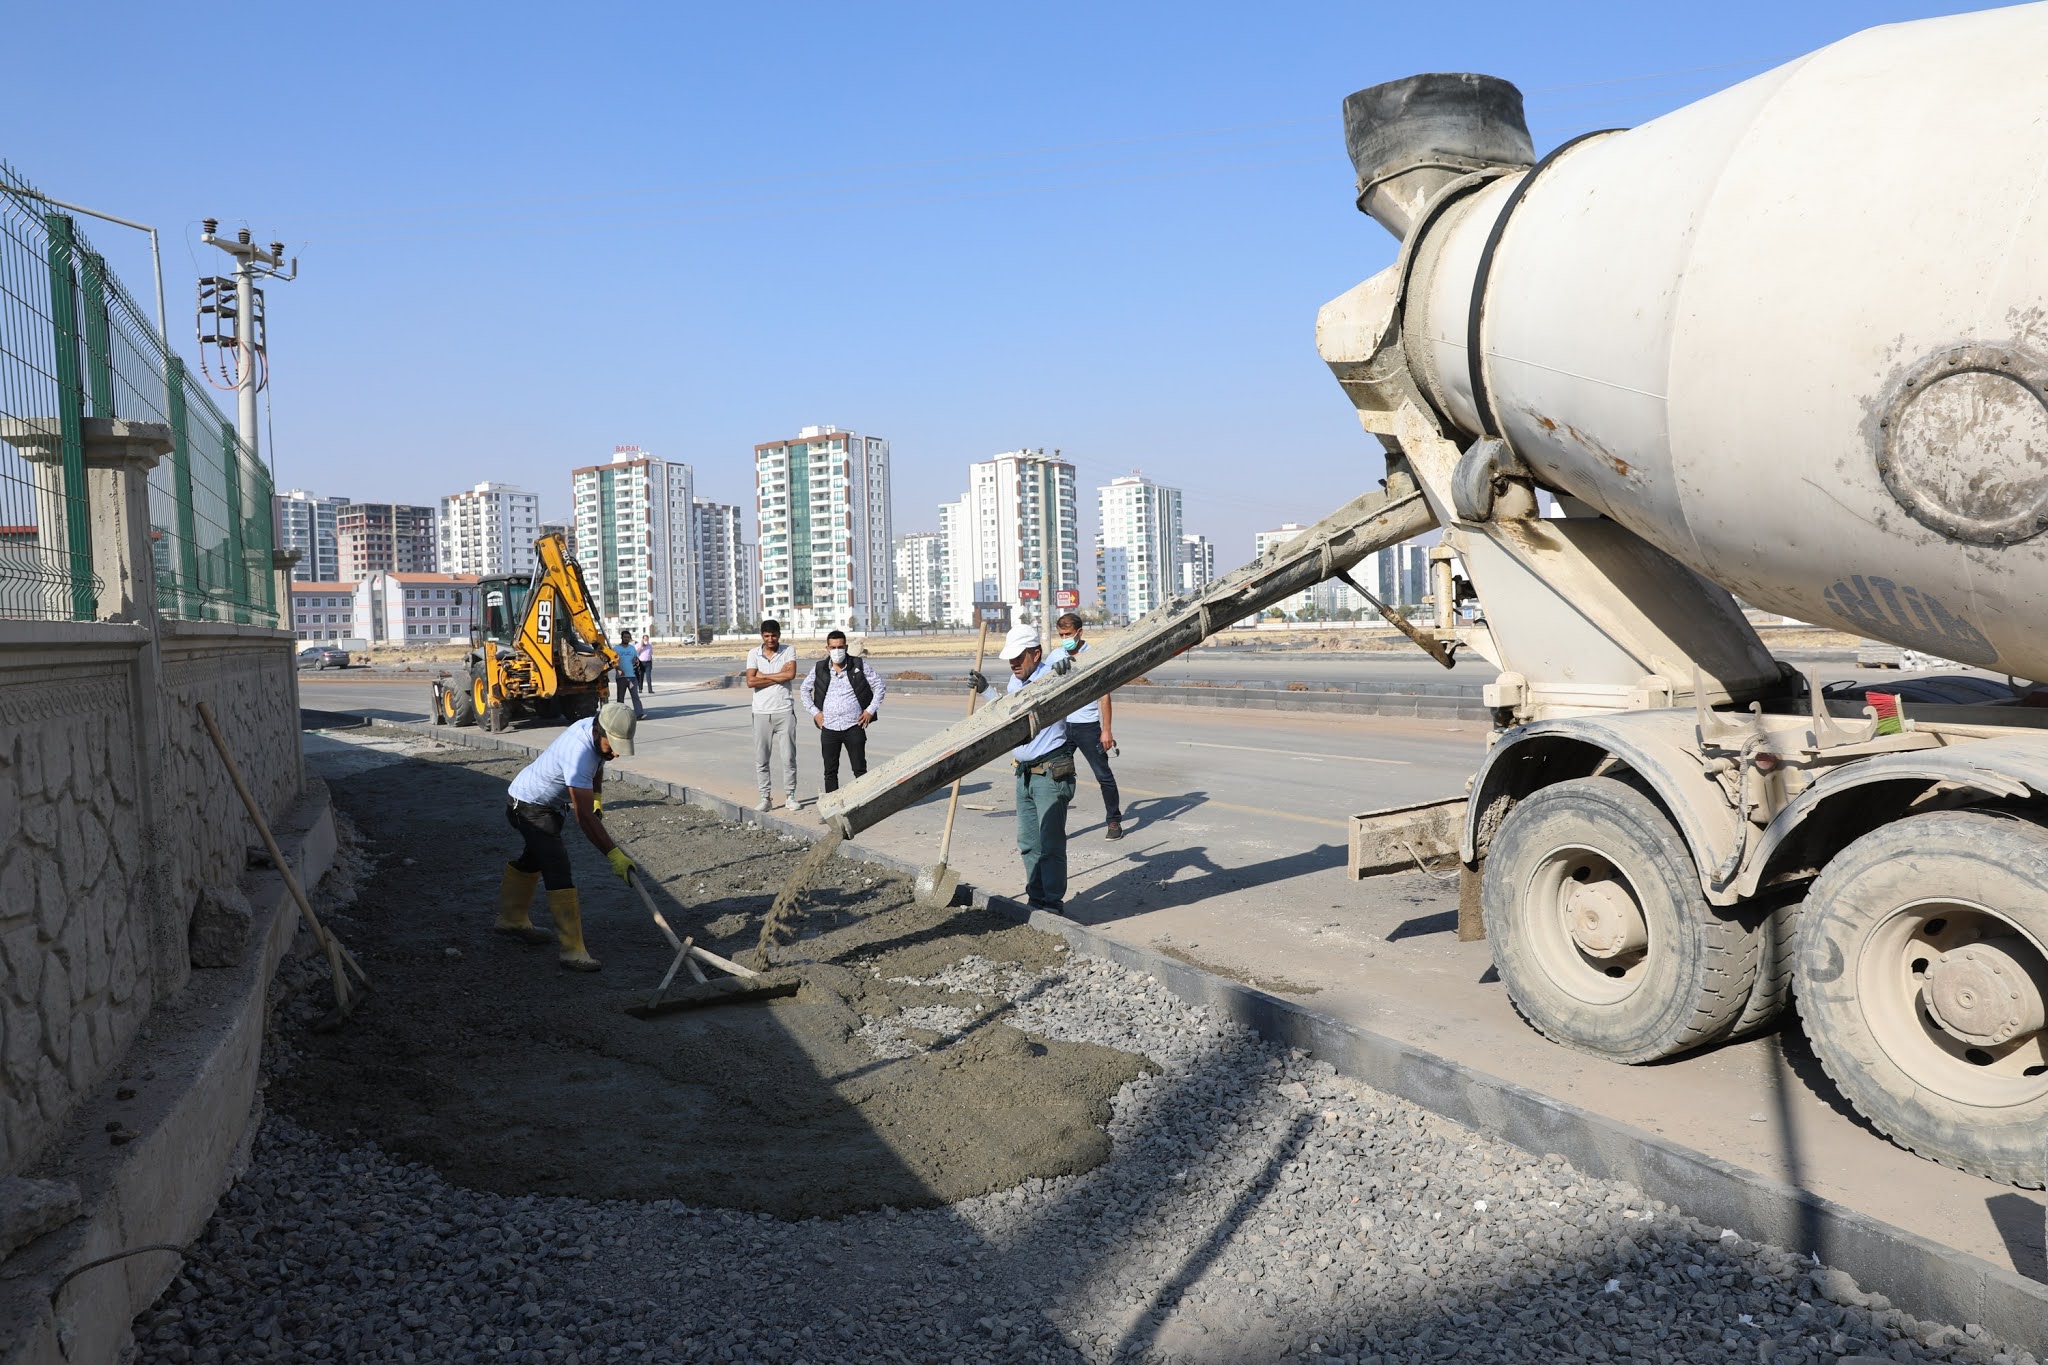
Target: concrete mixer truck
1787,345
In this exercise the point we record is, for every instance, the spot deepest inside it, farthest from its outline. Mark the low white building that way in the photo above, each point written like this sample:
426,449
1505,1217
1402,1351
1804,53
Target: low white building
417,608
324,611
387,609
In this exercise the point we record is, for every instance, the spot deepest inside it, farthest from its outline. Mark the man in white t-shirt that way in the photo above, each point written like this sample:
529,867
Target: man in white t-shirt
771,673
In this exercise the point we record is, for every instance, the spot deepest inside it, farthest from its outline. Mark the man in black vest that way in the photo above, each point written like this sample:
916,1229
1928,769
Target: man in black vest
843,697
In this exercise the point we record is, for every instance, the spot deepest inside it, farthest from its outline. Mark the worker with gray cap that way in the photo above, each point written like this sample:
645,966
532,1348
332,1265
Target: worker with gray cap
1045,776
567,778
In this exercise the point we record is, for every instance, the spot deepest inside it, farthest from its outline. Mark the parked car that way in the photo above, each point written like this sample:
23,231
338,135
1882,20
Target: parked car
323,656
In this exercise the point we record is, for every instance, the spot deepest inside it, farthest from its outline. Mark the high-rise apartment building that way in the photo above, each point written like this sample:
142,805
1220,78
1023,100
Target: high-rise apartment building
1014,537
1403,572
921,577
1197,563
566,530
725,566
635,540
384,537
1137,546
306,523
822,500
489,529
962,583
1303,603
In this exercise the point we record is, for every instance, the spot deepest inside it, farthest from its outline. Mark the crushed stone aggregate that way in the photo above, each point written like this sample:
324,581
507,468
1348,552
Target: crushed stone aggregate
1256,1206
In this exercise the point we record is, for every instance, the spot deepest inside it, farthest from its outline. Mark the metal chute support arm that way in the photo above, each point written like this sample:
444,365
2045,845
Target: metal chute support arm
1333,545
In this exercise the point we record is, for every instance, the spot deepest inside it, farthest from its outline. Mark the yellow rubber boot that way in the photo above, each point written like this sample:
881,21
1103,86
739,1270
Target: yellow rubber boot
515,894
568,913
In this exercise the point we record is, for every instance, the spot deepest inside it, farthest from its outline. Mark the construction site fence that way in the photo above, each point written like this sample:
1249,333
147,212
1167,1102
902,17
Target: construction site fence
75,351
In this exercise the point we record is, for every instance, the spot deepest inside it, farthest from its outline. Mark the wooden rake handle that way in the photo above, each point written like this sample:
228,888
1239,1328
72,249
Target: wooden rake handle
340,961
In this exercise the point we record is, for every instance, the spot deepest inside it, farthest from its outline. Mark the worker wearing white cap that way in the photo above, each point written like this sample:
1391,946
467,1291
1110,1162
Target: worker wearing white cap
1045,777
567,778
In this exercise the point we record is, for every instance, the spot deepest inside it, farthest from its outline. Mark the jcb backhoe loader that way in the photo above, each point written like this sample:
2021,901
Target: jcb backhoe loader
538,651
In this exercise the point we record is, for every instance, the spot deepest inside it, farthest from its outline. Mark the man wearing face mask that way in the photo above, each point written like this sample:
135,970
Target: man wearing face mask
1045,776
1089,728
843,698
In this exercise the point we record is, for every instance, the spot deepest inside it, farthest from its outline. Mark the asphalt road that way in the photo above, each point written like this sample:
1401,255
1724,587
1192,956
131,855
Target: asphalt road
1389,671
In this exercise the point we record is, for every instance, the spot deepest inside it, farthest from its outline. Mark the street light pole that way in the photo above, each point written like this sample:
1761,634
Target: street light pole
156,258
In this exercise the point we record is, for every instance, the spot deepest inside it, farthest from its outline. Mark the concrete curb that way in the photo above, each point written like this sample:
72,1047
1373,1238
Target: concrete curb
1918,1275
195,1102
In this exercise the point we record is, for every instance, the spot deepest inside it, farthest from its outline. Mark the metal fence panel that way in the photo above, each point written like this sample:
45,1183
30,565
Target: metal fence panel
74,346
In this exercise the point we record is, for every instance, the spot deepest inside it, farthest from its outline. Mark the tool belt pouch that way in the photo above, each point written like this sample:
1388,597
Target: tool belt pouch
1060,766
546,819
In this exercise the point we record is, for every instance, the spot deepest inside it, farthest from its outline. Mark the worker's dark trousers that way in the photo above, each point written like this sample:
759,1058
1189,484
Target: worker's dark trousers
632,685
854,740
1042,834
647,675
1087,737
544,852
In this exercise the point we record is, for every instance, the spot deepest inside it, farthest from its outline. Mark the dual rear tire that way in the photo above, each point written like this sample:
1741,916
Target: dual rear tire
1919,960
1921,975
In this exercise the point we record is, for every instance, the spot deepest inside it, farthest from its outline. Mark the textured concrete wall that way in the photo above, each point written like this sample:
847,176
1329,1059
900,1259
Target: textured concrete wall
76,960
247,678
112,816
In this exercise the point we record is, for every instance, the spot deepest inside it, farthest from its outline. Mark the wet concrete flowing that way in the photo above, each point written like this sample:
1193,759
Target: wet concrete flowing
780,925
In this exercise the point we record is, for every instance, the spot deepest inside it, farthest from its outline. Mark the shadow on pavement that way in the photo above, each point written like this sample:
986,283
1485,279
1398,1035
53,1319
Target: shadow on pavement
2019,1218
1155,880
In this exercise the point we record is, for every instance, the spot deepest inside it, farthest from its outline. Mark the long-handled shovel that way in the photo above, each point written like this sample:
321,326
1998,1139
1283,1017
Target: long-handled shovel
937,883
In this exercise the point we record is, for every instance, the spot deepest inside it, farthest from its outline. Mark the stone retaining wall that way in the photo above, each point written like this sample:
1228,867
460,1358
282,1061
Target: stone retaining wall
114,812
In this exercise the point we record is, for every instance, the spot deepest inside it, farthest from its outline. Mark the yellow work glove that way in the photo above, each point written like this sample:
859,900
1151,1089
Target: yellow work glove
597,802
621,864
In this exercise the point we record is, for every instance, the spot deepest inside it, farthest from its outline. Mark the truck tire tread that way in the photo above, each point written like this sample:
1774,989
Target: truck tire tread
1911,1116
1716,966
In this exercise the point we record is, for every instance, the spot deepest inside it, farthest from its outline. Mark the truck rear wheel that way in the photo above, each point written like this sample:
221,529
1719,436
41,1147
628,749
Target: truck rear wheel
1600,932
1922,980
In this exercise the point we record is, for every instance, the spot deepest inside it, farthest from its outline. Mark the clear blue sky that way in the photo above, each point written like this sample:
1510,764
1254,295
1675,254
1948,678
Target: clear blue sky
529,233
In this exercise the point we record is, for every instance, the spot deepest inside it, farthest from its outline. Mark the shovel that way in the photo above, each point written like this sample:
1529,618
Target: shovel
937,883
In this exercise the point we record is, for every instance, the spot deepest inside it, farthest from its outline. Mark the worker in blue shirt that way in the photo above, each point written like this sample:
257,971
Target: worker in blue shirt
1045,777
567,779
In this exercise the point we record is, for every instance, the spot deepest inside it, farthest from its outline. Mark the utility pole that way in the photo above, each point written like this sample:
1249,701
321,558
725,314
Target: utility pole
248,337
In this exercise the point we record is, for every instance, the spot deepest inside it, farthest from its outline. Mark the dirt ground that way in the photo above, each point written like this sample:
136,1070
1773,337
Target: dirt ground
481,1057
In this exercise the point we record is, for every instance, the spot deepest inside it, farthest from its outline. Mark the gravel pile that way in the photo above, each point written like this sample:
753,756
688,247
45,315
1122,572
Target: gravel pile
1255,1207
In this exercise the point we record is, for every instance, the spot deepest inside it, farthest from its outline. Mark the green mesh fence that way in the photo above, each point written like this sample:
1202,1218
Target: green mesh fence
75,349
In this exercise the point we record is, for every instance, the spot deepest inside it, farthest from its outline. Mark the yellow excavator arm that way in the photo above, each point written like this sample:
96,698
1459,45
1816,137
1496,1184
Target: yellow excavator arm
559,653
560,635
